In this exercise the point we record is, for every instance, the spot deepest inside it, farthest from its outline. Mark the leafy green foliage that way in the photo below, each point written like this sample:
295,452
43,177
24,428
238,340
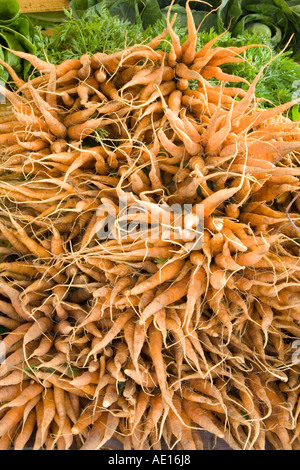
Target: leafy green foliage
9,11
160,260
72,372
35,367
97,31
17,33
140,12
91,33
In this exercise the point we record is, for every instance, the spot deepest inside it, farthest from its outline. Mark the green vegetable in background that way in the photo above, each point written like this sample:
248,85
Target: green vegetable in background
47,19
257,28
3,72
139,12
79,7
17,33
280,17
9,11
207,20
91,33
95,31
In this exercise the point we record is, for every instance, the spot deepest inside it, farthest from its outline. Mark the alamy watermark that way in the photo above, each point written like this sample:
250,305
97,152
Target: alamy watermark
2,97
2,352
144,220
296,353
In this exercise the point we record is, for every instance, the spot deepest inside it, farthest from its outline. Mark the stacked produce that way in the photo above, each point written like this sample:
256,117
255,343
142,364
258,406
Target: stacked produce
147,340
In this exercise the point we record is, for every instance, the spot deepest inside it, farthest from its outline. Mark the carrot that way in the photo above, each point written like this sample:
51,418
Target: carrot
37,329
140,332
59,400
116,328
143,378
153,416
11,418
196,289
48,414
111,396
39,64
72,406
57,247
44,346
9,392
64,384
8,310
121,355
16,357
187,440
249,122
9,323
211,203
27,430
13,378
31,244
66,66
96,435
141,406
175,40
167,272
66,433
17,80
242,105
189,46
202,417
174,293
147,76
27,394
14,336
252,257
14,240
56,127
20,103
6,440
155,345
88,416
86,378
210,71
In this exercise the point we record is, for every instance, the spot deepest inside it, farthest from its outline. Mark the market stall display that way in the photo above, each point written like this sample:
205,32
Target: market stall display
113,330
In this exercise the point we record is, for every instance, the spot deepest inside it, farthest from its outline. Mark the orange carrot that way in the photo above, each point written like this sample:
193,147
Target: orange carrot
189,46
116,328
27,394
202,417
39,327
167,272
171,295
11,418
27,430
88,416
156,346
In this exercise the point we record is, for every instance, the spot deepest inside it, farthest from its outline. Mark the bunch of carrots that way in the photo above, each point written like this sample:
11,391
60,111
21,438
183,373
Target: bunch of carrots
147,341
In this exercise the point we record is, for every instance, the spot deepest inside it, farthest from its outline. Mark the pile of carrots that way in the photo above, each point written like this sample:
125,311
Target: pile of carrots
134,339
